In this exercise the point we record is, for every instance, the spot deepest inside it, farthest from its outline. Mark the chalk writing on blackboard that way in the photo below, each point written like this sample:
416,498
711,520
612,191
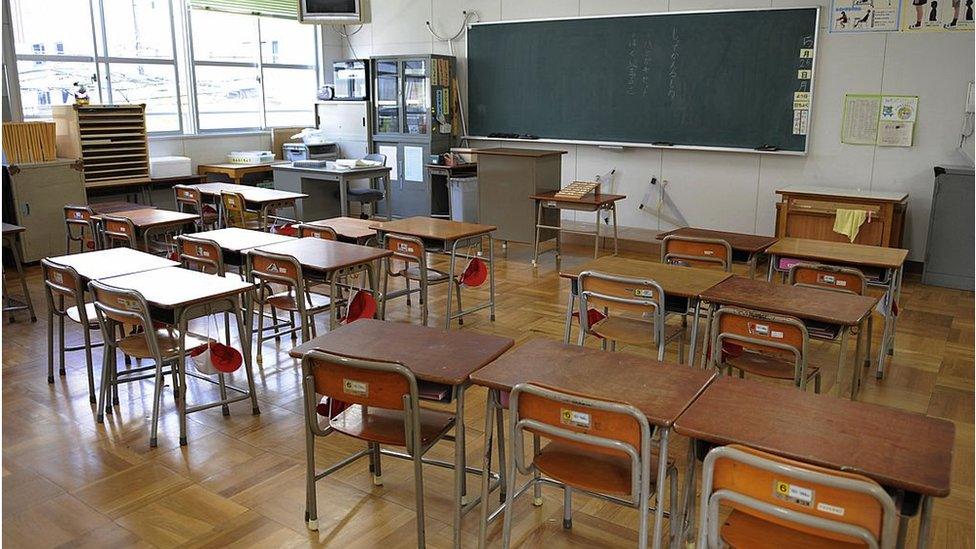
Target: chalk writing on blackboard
673,70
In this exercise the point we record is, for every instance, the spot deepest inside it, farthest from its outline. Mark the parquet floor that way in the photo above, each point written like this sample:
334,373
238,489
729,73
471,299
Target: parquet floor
68,481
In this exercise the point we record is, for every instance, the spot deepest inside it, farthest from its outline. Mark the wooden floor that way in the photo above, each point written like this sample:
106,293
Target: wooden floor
68,481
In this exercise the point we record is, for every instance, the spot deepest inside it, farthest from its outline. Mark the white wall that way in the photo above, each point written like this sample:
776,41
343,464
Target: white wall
735,191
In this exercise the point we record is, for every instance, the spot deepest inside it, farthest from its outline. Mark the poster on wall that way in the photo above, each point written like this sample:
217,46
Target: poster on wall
883,120
859,125
896,126
864,15
937,15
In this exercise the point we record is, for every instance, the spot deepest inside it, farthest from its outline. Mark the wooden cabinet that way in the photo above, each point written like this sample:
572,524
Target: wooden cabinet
809,212
507,177
39,193
110,139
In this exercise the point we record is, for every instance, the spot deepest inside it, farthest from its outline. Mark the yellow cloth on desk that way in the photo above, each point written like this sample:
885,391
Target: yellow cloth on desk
848,222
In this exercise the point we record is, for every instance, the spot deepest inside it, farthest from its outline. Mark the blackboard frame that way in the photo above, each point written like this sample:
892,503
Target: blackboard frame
631,144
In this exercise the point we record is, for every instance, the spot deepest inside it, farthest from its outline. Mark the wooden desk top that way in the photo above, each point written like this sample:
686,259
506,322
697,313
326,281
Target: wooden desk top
332,170
117,206
660,390
349,227
749,243
802,302
146,218
839,252
837,192
895,448
233,166
433,229
9,228
591,199
432,354
100,264
511,151
175,287
256,195
234,239
326,255
675,280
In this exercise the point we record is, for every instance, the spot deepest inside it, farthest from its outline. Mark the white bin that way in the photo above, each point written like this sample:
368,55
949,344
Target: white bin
464,199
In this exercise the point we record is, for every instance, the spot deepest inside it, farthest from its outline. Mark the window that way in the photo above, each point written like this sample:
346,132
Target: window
253,71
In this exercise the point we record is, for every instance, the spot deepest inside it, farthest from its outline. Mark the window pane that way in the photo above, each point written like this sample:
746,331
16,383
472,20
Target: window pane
287,41
228,97
138,28
154,85
44,83
224,36
289,96
51,27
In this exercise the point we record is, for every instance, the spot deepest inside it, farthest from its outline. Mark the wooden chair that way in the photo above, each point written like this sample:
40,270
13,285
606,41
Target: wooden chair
118,232
66,299
383,408
596,446
79,229
367,195
267,269
317,231
116,308
762,344
633,311
236,214
777,502
411,253
190,199
708,253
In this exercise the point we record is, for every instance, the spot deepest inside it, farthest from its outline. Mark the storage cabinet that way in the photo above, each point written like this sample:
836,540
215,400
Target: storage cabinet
507,177
413,118
110,139
39,193
809,212
949,248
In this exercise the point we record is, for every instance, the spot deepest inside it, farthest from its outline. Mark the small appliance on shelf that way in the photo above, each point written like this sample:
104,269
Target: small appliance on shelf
250,157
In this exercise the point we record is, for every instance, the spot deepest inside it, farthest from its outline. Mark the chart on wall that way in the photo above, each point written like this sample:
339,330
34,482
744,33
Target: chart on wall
936,15
864,15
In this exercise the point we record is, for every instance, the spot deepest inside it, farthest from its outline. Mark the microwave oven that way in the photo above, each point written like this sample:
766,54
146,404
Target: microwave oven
351,79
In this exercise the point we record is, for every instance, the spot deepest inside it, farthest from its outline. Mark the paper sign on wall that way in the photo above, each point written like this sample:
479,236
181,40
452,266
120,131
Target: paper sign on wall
883,120
937,15
864,15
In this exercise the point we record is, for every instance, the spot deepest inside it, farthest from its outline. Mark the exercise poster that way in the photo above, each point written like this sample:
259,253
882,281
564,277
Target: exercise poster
936,15
865,15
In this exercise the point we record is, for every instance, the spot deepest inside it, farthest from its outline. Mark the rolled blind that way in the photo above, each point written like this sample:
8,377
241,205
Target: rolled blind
273,8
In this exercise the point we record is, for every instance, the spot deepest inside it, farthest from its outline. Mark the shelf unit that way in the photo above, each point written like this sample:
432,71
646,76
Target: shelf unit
110,140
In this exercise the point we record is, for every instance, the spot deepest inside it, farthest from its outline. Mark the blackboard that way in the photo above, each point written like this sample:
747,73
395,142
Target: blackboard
705,79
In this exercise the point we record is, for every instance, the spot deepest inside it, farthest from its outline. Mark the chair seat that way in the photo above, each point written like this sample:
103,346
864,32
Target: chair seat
581,467
745,530
386,426
364,195
286,301
137,346
75,315
630,330
433,276
765,365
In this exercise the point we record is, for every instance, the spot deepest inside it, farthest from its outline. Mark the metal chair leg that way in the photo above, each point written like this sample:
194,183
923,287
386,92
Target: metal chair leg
377,465
567,507
157,394
50,346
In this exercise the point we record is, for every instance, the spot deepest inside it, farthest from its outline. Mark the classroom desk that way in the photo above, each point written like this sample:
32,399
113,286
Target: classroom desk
234,240
180,295
323,259
11,240
359,231
848,311
890,261
594,202
114,206
236,172
289,177
433,355
749,246
264,200
661,391
99,264
148,221
897,449
449,234
683,282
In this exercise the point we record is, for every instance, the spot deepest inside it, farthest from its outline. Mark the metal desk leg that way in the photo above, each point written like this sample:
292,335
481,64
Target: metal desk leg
343,196
662,481
244,333
844,331
450,278
613,211
924,522
12,242
686,521
856,367
708,335
596,239
887,336
772,263
753,259
491,276
694,334
486,468
389,197
460,468
181,368
894,317
538,229
567,330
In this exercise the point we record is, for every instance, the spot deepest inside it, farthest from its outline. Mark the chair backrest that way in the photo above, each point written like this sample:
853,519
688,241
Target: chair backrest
267,268
711,253
63,282
78,218
757,331
836,505
621,295
828,277
407,249
594,425
188,196
235,209
200,254
118,230
118,306
317,231
376,157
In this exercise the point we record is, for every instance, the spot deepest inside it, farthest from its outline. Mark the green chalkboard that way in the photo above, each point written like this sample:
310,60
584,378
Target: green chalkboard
706,79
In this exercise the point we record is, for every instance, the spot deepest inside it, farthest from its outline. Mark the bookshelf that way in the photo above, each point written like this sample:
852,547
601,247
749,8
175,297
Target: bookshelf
110,140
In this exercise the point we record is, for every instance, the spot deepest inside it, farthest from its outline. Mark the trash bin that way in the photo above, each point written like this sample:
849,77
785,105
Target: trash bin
464,199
